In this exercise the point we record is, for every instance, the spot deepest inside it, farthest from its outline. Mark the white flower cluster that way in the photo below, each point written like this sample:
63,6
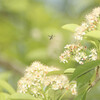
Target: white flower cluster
78,53
35,80
90,24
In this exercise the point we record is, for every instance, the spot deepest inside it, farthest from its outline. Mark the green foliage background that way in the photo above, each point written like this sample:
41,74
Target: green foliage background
24,29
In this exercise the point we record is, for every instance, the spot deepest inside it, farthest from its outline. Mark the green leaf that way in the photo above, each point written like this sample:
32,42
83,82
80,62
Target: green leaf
4,96
92,41
82,69
69,71
70,27
20,96
84,79
94,34
81,96
55,72
83,88
84,96
6,86
55,95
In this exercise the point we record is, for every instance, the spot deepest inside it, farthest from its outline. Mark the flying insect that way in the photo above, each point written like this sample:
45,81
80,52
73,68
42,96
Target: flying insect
51,37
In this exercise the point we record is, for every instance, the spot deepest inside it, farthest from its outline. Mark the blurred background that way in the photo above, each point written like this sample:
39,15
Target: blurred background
24,29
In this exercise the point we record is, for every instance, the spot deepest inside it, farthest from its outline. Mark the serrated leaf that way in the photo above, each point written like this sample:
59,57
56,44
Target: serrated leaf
83,88
4,96
70,27
55,73
21,96
82,69
6,86
69,71
84,79
94,34
81,96
84,96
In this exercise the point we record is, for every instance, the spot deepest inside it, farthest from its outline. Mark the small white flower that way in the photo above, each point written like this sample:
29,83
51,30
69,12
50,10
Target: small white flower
83,33
78,37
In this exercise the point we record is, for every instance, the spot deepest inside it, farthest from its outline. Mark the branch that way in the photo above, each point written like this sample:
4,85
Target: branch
10,66
93,83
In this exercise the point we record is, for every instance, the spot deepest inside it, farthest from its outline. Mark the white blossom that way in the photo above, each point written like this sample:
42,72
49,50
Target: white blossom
35,80
78,53
90,24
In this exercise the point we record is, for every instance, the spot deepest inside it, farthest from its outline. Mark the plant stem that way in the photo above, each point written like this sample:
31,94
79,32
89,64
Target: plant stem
97,72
